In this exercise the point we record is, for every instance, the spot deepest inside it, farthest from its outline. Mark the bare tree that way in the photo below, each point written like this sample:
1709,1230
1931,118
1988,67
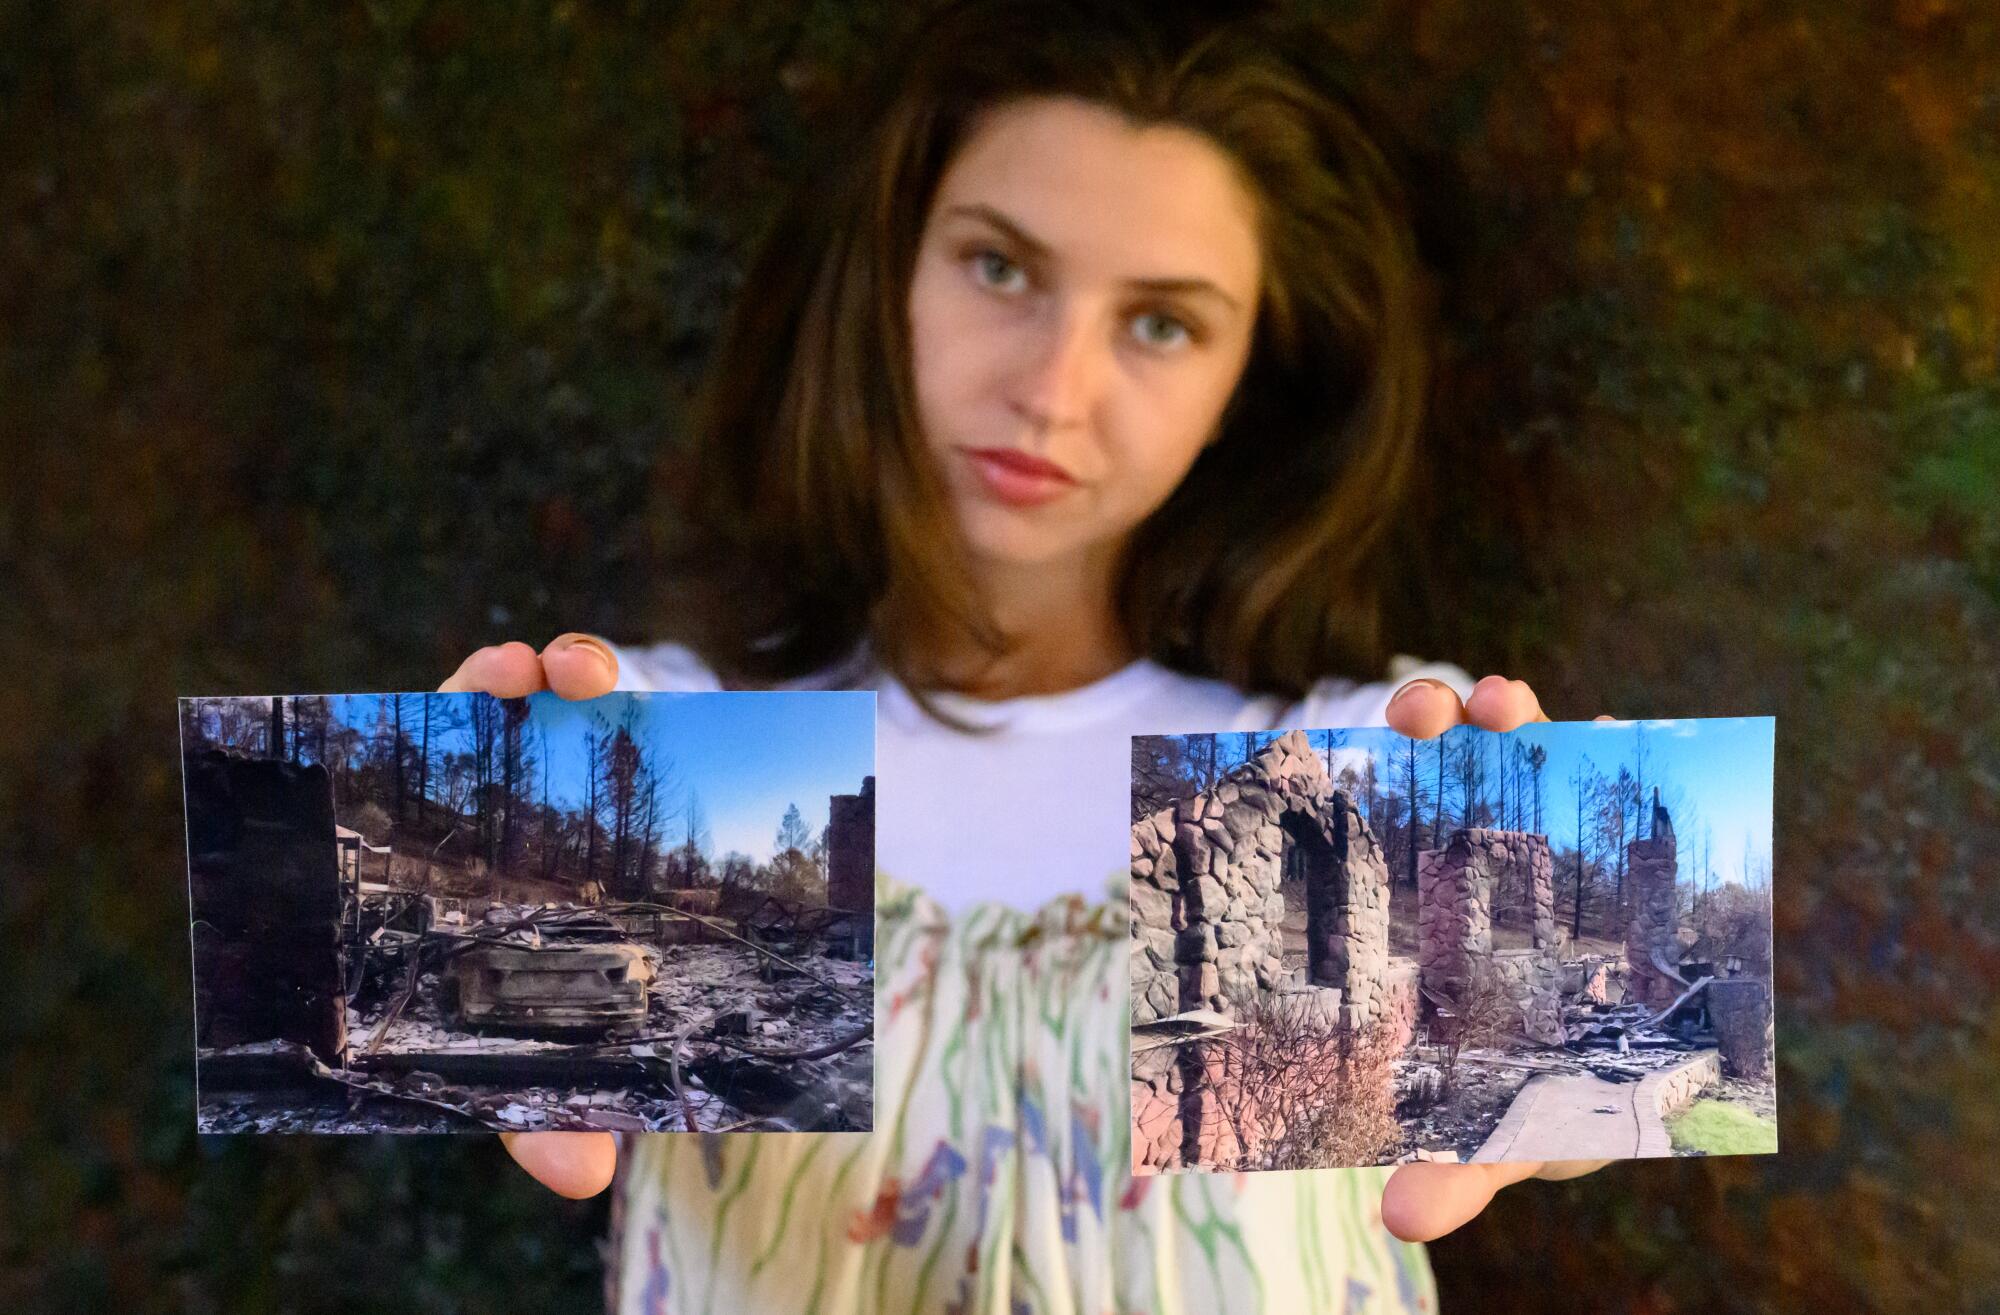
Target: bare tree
1407,763
484,717
1437,809
1642,824
1207,759
593,744
397,789
1469,767
1538,758
1160,773
1621,803
516,774
1580,781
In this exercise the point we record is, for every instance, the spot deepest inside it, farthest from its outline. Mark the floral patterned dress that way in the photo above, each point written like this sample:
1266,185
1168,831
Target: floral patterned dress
997,1178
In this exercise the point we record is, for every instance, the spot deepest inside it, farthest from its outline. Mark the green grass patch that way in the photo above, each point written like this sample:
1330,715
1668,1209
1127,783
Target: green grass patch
1716,1127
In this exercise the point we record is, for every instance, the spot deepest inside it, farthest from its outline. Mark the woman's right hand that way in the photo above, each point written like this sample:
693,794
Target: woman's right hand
575,666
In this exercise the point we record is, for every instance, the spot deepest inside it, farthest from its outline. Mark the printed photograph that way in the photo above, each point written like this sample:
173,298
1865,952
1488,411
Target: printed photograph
1350,947
447,912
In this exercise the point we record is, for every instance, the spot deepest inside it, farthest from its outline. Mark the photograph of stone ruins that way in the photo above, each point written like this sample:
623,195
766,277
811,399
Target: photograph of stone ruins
1354,948
451,912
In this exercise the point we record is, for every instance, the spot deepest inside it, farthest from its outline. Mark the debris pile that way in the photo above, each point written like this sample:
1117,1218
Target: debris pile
1440,1123
627,1017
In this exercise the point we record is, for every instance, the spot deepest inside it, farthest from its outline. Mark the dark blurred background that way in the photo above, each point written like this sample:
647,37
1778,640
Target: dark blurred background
339,339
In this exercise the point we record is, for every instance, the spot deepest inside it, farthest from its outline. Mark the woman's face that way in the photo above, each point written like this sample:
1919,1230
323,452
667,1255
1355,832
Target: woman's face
1080,312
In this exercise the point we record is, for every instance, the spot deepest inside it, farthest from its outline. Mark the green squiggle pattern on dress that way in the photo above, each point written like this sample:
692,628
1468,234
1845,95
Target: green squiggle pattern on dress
998,1176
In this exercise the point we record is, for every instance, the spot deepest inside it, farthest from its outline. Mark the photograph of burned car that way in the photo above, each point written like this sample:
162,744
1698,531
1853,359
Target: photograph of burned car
445,911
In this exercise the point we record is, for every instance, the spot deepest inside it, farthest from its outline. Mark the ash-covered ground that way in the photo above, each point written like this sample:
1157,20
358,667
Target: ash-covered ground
759,1047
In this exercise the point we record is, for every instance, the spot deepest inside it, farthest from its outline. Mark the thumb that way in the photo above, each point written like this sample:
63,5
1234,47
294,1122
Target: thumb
572,1164
579,666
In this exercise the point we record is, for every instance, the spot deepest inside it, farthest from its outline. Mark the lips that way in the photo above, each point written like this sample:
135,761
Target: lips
1016,478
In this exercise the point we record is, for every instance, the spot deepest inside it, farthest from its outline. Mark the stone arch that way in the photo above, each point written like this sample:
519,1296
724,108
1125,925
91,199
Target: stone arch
1457,886
1206,906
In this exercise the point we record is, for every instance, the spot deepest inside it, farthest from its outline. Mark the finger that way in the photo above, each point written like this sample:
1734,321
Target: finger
1427,1200
506,671
572,1164
579,666
1424,708
1499,704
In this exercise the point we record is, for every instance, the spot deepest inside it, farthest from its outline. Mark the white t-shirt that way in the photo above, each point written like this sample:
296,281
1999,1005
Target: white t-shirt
1041,807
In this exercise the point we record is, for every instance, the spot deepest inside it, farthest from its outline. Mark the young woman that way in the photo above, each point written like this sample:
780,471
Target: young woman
1070,400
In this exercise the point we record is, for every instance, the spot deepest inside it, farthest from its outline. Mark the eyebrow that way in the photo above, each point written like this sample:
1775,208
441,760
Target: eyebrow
1041,249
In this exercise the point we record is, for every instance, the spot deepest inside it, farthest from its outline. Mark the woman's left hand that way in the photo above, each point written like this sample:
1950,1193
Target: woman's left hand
1427,1200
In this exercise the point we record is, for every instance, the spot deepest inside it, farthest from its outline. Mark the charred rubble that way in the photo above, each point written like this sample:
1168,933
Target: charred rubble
325,1003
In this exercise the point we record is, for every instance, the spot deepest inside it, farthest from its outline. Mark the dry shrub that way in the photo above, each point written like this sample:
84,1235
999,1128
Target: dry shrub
1480,1013
1297,1090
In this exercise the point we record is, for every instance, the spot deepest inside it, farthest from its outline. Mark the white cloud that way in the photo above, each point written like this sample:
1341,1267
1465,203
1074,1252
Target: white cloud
1349,757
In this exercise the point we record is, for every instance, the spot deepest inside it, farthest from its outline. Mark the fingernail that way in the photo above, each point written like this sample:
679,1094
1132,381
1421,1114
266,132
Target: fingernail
588,644
1403,694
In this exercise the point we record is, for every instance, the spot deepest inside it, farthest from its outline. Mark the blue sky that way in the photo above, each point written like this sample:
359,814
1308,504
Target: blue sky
1722,766
748,755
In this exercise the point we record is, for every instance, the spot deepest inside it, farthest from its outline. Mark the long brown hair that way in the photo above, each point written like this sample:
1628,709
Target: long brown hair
815,519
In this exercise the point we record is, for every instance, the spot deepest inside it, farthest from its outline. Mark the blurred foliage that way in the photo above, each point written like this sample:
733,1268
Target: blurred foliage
338,340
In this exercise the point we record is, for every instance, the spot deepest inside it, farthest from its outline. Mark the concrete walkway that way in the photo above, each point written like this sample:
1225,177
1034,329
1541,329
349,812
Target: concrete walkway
1580,1117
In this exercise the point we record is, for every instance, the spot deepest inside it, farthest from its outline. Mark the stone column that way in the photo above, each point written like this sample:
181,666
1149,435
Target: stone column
1360,894
850,846
1154,893
1454,916
1652,945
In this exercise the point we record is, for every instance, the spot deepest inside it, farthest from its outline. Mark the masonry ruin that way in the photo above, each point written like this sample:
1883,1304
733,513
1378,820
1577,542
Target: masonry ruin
1207,912
850,866
1652,951
1208,925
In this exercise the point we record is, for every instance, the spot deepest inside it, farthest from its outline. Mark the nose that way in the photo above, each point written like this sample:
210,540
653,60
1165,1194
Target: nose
1060,382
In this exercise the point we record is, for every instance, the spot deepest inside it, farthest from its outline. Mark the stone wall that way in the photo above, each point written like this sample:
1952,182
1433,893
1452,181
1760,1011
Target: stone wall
1666,1092
1401,1001
1532,979
1205,906
1652,944
1456,890
1156,1110
850,871
1739,1009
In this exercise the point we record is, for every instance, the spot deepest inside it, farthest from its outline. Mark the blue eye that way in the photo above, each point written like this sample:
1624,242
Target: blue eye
984,259
1183,329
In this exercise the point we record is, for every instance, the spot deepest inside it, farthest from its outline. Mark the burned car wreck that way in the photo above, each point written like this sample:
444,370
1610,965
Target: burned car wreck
557,987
